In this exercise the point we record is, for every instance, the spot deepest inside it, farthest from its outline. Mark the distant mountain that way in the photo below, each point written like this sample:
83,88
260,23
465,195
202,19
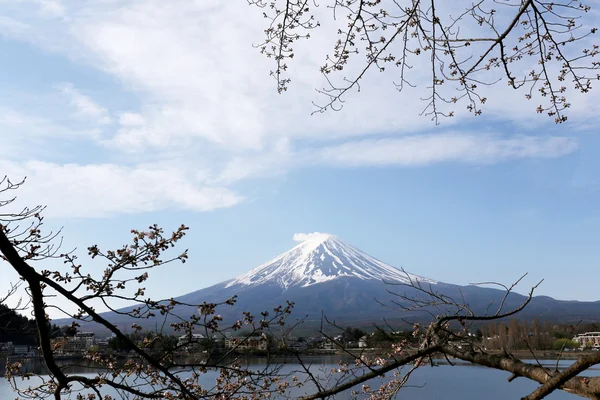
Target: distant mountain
325,276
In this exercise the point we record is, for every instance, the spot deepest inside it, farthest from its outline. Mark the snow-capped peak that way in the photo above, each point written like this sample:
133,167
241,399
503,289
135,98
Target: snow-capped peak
320,258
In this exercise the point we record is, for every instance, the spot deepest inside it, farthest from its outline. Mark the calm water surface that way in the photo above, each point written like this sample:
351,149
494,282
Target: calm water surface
462,381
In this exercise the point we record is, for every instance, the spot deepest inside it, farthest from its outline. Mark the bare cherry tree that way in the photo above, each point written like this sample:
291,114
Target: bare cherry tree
542,48
145,374
447,337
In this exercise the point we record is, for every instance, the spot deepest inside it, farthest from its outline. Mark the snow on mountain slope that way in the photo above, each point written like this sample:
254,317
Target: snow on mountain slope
321,258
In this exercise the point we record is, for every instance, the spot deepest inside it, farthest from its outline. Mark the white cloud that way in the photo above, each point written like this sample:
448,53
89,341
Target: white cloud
131,119
205,107
198,76
303,237
194,80
84,106
98,190
207,83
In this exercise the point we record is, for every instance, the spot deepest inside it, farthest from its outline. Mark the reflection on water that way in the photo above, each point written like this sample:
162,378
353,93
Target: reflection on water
461,381
77,365
38,367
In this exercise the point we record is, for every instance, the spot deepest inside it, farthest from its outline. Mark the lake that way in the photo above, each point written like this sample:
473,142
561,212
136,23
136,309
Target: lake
462,381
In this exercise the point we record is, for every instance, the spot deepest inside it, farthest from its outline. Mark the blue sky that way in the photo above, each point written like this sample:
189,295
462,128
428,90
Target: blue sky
120,118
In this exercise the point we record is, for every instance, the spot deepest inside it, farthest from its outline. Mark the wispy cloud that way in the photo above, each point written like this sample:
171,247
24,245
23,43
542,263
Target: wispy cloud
83,105
303,237
406,151
51,7
131,119
98,190
12,28
420,150
27,135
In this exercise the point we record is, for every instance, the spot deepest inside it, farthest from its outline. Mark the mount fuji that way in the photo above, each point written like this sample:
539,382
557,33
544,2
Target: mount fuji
325,276
318,259
322,276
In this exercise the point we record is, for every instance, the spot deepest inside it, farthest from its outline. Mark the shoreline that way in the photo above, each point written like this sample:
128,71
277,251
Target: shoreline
520,354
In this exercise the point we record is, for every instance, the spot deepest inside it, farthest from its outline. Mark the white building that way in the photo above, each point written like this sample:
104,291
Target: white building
10,349
362,342
189,339
588,339
254,342
82,341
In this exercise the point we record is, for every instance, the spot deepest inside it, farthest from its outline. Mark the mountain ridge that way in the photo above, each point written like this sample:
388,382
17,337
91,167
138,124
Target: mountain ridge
324,276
